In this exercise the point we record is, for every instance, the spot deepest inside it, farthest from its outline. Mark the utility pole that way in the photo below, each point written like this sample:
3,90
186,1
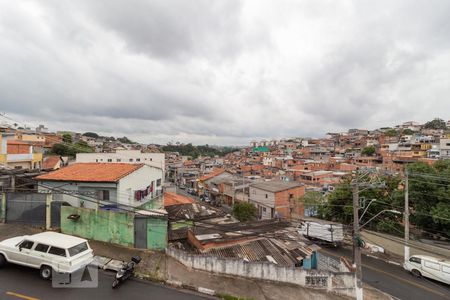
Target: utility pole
356,249
407,253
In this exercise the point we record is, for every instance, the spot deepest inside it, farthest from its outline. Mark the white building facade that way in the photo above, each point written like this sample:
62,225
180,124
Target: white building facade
124,156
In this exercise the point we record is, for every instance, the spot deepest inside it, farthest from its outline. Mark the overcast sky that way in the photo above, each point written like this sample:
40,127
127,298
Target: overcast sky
223,72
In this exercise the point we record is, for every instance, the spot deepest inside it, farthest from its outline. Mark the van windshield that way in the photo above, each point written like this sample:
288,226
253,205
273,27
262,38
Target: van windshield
78,249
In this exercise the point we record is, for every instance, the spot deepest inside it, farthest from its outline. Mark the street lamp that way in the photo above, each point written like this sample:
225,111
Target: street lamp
383,211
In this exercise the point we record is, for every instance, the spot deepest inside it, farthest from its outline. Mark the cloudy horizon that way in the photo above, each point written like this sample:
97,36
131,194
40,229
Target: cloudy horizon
223,72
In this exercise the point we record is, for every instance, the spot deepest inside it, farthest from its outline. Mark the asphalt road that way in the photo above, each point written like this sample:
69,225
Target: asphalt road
24,283
394,280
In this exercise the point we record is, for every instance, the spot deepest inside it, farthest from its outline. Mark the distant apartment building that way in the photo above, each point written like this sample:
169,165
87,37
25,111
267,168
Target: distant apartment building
445,149
15,154
276,198
124,156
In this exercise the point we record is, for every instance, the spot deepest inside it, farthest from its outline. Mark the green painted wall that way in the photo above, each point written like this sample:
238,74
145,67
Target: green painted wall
156,233
100,225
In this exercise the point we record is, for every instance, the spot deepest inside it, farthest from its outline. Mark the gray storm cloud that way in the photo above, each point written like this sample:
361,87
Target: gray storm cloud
223,71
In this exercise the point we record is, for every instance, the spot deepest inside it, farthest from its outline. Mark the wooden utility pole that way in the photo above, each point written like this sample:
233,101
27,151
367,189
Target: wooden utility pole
406,216
356,239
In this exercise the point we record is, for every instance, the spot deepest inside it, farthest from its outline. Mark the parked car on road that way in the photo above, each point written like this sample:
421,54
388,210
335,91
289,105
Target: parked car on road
47,251
430,267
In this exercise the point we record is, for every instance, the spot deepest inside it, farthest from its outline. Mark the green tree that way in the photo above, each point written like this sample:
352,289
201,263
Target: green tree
436,124
60,149
91,134
429,191
244,211
67,138
71,150
339,204
313,203
408,131
125,140
368,151
391,132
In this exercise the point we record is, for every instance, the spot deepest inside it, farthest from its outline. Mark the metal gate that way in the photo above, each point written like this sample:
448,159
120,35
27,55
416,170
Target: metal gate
25,208
140,232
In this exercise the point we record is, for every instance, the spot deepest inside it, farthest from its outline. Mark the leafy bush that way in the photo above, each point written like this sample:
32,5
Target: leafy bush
245,211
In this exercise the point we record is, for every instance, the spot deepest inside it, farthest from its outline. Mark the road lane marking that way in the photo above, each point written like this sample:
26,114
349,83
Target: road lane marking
396,277
20,296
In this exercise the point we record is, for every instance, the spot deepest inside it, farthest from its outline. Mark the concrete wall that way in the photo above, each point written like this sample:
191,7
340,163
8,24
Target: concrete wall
263,197
112,227
339,283
100,225
395,245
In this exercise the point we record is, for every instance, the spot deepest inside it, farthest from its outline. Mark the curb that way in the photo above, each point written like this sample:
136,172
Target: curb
387,261
178,284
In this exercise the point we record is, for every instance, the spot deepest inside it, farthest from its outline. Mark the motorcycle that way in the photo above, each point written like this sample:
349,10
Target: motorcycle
126,271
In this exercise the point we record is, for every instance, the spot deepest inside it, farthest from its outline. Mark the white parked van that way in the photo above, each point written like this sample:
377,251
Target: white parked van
47,251
430,267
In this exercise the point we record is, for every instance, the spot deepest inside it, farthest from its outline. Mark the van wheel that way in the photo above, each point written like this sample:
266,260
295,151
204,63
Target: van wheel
2,261
46,272
416,273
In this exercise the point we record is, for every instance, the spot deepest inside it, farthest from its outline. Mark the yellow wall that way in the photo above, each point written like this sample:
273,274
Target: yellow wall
37,157
32,138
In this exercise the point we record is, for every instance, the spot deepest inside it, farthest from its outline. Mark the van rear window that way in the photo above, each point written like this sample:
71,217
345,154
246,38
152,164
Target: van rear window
78,249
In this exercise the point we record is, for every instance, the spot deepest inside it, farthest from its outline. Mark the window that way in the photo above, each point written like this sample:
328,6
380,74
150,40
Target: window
96,160
105,195
41,248
138,159
432,265
109,160
267,196
264,209
78,249
57,251
415,260
131,159
118,160
151,159
158,182
26,245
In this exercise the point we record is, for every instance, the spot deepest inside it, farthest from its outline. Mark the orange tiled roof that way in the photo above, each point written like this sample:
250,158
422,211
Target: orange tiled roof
214,173
92,172
175,199
50,162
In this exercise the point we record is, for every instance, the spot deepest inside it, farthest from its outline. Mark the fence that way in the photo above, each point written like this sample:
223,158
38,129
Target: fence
26,208
339,283
35,209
